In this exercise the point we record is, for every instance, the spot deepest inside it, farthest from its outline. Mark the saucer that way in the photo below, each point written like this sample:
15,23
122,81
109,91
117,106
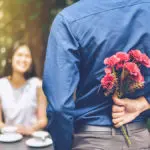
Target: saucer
10,137
34,142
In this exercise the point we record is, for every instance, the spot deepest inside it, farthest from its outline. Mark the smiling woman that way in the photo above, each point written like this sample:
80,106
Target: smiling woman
21,98
20,59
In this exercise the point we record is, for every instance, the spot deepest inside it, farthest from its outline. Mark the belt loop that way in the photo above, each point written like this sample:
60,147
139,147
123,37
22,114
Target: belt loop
113,131
128,130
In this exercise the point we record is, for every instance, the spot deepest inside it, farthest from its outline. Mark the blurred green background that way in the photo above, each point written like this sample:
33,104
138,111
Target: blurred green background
27,20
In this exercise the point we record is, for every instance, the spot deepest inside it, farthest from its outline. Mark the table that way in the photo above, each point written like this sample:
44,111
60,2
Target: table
20,145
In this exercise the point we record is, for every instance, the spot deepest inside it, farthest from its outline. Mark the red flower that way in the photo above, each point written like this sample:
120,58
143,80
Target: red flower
145,60
111,61
132,68
108,70
108,81
136,55
139,78
139,57
119,66
124,57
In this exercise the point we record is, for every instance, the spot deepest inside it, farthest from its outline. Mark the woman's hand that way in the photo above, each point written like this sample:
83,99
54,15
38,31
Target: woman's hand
25,130
125,110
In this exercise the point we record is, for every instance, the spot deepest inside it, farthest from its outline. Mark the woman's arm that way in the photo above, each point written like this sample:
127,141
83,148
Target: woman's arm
41,110
41,115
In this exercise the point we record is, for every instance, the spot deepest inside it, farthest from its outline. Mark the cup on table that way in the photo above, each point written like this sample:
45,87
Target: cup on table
40,135
9,130
9,134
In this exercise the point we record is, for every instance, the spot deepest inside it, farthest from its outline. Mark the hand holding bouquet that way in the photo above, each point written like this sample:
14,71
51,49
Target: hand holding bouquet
123,75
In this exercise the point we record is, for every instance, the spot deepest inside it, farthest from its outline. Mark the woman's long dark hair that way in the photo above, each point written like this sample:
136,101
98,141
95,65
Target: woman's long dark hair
8,69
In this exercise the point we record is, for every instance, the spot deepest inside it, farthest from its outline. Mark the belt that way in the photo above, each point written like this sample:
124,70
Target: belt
129,127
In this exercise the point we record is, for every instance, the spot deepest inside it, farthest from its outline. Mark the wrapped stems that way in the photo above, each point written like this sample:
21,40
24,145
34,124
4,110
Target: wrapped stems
119,94
124,132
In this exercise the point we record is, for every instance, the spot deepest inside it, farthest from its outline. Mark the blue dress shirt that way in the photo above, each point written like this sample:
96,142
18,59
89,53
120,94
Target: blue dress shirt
81,37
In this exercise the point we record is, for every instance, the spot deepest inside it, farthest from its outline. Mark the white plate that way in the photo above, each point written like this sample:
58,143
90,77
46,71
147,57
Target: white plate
33,142
14,137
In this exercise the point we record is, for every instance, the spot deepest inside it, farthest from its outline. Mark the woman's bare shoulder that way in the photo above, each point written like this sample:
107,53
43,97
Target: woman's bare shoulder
35,81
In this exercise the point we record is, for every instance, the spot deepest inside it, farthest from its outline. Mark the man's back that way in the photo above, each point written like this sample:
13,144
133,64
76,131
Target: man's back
103,28
82,36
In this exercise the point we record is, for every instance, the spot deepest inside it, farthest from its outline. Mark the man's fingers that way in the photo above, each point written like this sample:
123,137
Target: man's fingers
117,109
118,125
117,120
117,115
118,101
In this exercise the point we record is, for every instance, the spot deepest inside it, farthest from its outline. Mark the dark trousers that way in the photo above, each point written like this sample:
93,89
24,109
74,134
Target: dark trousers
105,140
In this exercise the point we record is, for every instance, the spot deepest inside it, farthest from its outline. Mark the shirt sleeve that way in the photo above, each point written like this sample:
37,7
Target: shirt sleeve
148,98
147,84
60,79
147,89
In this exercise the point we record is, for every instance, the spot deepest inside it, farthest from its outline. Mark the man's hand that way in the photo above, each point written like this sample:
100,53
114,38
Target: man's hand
125,110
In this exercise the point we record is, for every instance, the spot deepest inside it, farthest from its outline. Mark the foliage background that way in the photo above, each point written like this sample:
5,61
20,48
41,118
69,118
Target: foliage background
27,20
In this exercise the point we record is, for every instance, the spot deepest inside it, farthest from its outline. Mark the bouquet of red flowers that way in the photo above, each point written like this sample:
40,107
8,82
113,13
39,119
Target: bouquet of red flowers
123,75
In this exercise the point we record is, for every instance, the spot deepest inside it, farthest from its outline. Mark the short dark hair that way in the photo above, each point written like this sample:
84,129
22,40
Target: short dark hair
8,69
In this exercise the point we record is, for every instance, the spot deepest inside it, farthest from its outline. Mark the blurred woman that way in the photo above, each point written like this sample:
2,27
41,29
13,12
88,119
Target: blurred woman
22,102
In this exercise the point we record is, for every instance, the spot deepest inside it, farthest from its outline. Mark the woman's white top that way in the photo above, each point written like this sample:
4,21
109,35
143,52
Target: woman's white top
19,105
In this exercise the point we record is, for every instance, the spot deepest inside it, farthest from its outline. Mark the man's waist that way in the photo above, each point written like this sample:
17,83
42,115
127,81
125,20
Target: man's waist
129,127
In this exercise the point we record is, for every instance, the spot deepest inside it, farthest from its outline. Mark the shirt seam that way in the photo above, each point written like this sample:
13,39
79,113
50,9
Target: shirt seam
71,22
103,11
74,35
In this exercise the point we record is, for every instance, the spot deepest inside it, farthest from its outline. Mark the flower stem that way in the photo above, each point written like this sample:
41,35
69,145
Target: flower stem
125,135
123,130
